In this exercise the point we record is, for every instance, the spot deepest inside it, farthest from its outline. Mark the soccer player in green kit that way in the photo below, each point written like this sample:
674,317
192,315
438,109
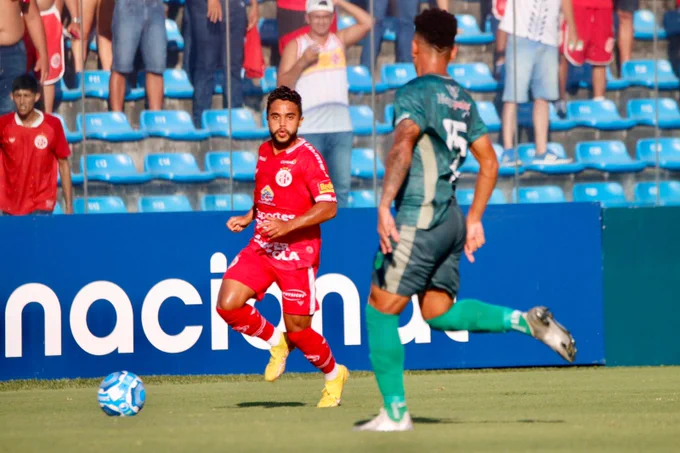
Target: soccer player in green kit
437,124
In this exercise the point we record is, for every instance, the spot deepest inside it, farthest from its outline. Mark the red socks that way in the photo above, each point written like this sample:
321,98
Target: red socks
249,321
315,348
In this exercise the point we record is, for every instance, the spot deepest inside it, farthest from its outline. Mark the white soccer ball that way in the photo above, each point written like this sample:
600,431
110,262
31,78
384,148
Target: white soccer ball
122,394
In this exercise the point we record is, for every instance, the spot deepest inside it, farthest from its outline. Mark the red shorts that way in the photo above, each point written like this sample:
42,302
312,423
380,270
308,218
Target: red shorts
595,27
55,46
298,286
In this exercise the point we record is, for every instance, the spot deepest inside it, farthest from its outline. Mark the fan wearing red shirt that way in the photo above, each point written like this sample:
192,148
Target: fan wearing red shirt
32,147
293,196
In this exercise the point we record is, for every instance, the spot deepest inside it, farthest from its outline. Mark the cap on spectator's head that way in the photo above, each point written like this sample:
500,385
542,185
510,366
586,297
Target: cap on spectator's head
320,5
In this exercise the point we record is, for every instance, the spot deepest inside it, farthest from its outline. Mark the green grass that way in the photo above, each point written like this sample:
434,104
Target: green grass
537,410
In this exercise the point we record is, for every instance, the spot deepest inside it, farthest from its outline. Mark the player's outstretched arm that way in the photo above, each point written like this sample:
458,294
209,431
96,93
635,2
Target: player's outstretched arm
352,35
316,215
239,223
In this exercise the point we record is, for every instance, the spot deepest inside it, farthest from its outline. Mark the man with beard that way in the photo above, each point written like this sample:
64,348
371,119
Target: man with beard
293,196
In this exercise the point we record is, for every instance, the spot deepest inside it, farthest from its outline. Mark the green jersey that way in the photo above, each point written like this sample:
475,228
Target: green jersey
449,121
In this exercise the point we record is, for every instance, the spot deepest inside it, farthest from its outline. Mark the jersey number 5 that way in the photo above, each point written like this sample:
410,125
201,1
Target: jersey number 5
453,140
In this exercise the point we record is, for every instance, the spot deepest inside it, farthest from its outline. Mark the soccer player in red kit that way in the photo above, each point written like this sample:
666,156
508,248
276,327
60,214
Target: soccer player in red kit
32,147
293,196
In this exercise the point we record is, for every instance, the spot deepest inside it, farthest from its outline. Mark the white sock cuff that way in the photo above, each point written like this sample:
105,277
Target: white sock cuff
332,374
276,338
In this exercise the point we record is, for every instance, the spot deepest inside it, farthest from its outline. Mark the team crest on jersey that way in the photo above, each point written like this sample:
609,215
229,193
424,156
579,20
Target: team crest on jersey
284,177
12,139
266,195
40,142
454,91
55,61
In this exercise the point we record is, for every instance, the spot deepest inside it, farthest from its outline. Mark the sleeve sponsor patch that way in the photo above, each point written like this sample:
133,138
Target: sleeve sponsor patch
326,187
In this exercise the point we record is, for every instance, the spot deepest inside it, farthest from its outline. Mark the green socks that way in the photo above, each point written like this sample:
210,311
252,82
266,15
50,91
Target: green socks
477,316
387,359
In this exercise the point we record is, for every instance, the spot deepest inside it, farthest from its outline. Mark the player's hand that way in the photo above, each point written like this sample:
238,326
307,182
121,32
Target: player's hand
475,239
253,16
387,229
574,42
42,67
275,228
214,11
311,55
238,223
74,30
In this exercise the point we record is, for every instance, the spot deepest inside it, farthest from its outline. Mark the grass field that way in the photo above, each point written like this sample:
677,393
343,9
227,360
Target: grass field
537,410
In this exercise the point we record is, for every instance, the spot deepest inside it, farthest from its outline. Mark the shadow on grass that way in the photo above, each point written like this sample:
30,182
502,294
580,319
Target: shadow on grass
449,421
270,404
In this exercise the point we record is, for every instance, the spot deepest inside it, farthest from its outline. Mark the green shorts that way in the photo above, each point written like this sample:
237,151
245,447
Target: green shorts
423,259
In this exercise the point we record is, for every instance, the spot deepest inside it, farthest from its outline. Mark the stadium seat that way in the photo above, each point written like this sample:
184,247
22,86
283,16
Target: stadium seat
177,167
582,77
389,114
65,94
71,137
509,169
362,121
671,22
360,81
641,73
174,2
109,127
473,76
361,199
525,114
219,162
465,197
644,25
363,161
390,29
601,115
164,203
269,80
172,34
540,194
113,168
97,86
77,179
176,83
562,166
243,124
269,32
607,193
171,124
345,22
397,74
470,165
489,115
643,111
668,150
469,32
248,86
57,209
608,156
669,193
100,205
242,202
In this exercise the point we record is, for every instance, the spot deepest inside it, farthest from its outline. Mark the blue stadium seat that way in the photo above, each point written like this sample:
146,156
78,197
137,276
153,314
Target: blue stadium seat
488,113
390,28
540,194
469,32
65,94
607,193
113,168
248,86
360,81
71,137
361,199
100,205
177,167
473,76
643,111
465,197
176,84
362,121
97,86
171,124
562,166
582,77
525,114
242,202
671,22
389,114
219,162
601,115
397,74
174,2
470,165
668,191
269,80
644,24
269,32
172,34
57,209
77,179
668,150
641,73
164,203
363,160
609,156
243,124
109,127
345,22
509,169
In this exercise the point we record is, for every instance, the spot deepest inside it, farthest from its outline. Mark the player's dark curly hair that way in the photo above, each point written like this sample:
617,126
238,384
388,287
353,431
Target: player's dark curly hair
284,93
437,27
25,82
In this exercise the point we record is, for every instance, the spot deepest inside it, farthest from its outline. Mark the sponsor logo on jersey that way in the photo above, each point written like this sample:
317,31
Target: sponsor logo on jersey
40,142
284,177
263,159
326,187
266,195
294,294
454,91
289,162
12,139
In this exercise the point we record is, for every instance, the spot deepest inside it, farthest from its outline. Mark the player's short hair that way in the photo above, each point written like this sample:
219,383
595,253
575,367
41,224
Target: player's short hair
284,93
437,27
25,82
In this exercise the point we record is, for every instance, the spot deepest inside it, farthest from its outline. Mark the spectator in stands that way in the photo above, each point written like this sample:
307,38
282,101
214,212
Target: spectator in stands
12,48
496,12
534,31
50,13
102,10
208,29
32,147
138,25
625,10
315,64
291,21
596,47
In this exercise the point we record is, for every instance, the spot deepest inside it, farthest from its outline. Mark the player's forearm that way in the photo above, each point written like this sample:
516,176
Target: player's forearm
486,182
290,77
318,214
568,11
73,7
396,168
35,27
66,186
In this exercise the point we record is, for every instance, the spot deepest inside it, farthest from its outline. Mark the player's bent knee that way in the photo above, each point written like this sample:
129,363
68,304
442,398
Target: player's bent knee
296,323
232,296
386,302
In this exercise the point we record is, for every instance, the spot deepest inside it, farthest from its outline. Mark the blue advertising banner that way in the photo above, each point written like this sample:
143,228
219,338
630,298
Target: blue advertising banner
83,296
